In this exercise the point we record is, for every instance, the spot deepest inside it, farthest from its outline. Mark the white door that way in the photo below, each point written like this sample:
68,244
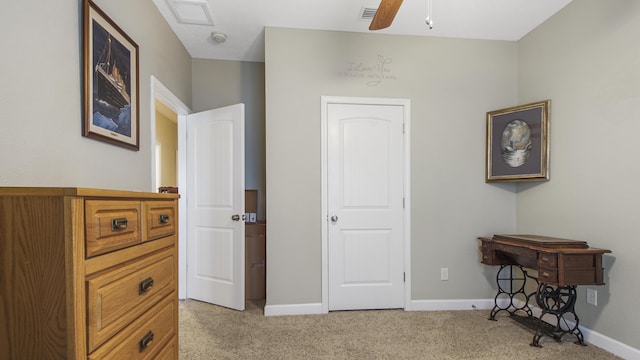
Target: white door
365,157
215,204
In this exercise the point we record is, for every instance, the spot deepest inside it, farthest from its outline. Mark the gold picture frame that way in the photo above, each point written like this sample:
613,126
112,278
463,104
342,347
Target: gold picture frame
518,143
111,83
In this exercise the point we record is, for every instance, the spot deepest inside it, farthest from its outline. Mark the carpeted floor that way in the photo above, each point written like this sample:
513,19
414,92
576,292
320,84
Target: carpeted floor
213,332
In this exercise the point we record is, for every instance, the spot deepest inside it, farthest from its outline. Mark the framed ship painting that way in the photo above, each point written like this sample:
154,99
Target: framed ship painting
518,143
111,87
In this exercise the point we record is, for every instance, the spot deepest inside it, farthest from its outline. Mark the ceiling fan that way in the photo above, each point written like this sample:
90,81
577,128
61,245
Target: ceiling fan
385,14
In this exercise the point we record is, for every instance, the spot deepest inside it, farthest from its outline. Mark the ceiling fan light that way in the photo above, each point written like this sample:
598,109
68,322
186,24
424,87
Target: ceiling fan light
429,20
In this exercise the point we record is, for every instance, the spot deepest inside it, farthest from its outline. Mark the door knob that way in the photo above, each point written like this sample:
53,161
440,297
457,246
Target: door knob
334,218
235,217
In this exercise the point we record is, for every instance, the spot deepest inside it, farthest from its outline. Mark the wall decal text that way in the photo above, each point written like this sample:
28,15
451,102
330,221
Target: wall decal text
374,73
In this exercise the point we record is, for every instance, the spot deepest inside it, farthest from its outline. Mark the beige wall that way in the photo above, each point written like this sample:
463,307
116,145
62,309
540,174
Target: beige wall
219,83
41,94
586,59
167,141
451,84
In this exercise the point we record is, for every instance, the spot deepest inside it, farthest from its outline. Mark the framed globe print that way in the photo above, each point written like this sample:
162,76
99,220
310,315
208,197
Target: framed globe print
518,143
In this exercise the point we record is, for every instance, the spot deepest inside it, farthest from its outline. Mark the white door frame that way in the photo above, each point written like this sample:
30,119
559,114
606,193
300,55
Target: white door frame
325,101
164,95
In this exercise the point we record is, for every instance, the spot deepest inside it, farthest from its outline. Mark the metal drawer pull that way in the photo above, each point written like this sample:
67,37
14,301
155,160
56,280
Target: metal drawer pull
145,285
146,341
119,224
164,219
545,274
545,259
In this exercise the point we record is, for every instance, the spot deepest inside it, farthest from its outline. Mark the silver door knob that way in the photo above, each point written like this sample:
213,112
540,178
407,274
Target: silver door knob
334,218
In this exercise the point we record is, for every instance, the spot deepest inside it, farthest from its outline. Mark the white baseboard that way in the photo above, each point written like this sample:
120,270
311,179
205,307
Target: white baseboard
611,345
441,305
293,309
419,305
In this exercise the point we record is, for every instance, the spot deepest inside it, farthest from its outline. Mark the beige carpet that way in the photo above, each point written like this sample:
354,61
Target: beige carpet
213,332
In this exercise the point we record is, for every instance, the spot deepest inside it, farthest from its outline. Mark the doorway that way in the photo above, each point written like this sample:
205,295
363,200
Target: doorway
215,147
171,103
365,203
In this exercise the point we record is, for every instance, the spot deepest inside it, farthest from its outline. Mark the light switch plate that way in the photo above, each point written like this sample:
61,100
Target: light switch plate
444,274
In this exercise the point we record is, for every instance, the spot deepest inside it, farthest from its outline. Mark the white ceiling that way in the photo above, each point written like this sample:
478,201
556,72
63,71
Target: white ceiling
243,21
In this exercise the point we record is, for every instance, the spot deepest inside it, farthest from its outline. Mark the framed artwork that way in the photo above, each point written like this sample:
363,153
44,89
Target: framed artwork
111,86
518,143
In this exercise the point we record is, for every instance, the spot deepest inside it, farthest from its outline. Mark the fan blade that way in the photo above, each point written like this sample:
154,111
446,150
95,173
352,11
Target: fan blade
385,14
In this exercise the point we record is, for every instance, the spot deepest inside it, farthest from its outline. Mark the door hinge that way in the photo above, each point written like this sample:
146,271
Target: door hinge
404,277
403,203
403,128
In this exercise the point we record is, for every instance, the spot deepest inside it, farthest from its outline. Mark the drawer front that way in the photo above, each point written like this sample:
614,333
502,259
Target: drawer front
547,260
117,297
489,258
486,247
548,276
170,352
152,336
584,276
579,260
488,254
111,225
160,219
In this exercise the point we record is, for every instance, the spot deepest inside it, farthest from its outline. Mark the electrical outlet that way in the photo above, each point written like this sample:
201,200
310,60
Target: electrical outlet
592,297
444,274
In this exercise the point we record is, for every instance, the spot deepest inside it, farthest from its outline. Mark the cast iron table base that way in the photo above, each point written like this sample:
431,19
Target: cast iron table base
557,302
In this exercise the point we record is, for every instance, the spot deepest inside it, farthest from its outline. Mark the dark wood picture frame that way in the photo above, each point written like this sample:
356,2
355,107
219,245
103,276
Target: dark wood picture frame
518,143
111,81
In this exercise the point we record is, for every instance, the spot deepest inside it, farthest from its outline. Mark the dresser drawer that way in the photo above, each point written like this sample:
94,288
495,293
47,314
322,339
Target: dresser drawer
152,336
159,219
111,225
117,297
170,352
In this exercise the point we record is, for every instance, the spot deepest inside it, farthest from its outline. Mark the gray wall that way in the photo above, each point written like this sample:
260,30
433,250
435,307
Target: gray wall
451,83
586,59
219,83
41,139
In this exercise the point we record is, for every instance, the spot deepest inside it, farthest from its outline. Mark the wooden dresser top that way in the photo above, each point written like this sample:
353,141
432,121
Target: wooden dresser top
84,192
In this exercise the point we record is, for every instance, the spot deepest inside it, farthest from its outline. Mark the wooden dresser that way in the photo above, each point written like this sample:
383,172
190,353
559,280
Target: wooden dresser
88,274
